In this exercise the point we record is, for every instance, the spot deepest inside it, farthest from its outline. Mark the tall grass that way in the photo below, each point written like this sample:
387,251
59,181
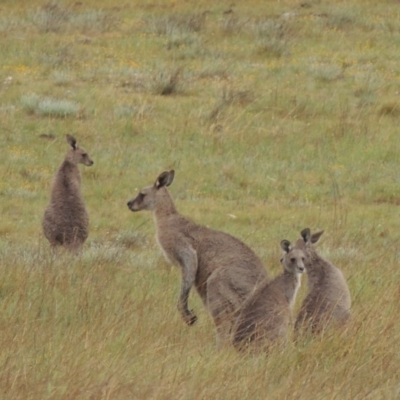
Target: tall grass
264,140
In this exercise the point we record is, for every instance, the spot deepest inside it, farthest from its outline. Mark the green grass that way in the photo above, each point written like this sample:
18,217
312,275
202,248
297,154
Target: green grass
275,117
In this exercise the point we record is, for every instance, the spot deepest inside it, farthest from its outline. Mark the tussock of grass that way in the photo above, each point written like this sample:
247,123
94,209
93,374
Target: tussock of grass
232,25
182,40
138,111
342,19
176,23
392,109
229,96
367,85
326,73
59,58
131,239
54,17
61,77
272,37
11,23
167,81
214,71
48,106
234,96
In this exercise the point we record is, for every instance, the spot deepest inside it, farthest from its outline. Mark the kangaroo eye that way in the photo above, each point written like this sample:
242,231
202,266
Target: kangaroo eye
292,259
84,155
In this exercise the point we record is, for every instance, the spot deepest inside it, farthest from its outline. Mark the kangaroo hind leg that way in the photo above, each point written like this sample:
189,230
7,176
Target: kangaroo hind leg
224,303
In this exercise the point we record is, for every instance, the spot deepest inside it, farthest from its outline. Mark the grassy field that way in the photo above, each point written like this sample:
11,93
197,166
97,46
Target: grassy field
275,115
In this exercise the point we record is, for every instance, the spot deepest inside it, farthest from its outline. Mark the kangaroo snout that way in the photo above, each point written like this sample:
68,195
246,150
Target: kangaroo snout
132,205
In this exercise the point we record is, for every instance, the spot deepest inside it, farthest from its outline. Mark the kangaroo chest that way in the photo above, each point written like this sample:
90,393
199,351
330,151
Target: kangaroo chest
164,250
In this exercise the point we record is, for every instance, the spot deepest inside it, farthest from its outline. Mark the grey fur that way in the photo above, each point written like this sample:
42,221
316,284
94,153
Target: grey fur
223,269
266,315
329,298
66,221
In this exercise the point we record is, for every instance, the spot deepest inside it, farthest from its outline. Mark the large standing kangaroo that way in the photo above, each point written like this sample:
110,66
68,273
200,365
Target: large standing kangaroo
223,269
66,221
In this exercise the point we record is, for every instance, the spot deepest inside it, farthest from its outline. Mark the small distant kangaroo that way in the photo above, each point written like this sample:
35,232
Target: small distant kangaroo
267,314
328,299
223,269
66,221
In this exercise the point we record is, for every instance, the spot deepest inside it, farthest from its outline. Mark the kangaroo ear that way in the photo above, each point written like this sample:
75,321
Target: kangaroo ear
165,179
315,236
71,141
306,234
286,246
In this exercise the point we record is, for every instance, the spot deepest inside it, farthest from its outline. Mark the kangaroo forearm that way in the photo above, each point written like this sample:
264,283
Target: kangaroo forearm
183,299
188,316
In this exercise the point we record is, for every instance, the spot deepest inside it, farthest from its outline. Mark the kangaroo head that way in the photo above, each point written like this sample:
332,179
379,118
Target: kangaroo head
77,155
148,196
306,244
293,258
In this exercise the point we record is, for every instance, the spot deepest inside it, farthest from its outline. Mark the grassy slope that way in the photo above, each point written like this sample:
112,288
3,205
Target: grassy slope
280,121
